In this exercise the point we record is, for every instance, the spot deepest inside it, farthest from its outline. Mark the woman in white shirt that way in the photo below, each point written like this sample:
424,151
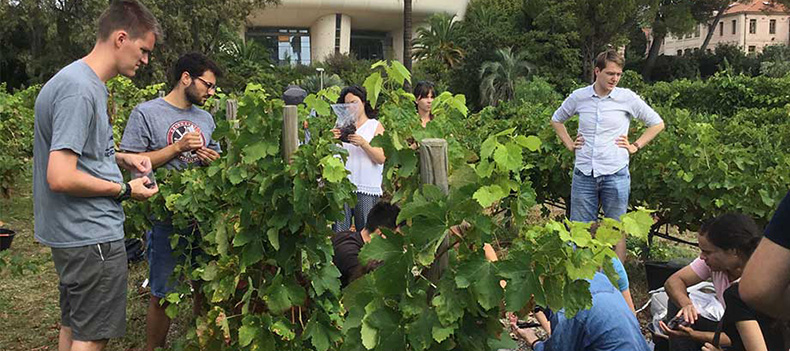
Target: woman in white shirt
366,163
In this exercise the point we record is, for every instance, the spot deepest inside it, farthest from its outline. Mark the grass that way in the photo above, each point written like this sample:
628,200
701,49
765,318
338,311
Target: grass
29,309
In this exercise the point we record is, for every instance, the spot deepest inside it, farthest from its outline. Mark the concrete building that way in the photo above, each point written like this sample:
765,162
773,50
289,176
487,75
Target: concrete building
750,26
305,31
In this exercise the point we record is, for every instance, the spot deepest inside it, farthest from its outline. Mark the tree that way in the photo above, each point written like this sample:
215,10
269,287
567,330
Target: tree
498,78
720,6
600,24
42,36
438,40
667,16
407,12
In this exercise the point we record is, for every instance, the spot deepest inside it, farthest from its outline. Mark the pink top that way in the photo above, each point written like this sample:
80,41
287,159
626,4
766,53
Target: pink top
720,279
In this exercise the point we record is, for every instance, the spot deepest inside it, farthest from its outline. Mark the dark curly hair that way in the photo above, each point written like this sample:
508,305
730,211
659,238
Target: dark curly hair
733,231
362,94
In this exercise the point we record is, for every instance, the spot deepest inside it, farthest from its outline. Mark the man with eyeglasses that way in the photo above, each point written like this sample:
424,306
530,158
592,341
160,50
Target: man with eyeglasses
174,133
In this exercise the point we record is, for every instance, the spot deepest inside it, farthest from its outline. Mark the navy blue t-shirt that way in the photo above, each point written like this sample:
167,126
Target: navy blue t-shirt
778,230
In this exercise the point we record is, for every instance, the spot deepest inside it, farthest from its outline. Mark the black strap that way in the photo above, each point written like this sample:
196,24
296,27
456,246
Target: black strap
717,334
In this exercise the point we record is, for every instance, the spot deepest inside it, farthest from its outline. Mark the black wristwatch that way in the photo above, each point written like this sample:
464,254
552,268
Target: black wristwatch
125,193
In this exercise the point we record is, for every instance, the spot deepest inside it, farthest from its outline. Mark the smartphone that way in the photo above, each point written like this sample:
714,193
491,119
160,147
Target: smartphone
150,176
676,322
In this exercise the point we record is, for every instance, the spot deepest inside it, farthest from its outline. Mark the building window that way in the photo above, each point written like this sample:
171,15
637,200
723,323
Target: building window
752,48
734,26
752,26
370,45
721,29
696,32
772,27
286,46
687,51
680,52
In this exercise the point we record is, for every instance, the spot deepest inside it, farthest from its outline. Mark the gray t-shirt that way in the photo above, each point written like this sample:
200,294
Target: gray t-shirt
155,124
71,114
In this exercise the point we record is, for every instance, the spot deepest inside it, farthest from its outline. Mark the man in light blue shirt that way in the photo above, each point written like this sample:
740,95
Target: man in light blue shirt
602,147
608,326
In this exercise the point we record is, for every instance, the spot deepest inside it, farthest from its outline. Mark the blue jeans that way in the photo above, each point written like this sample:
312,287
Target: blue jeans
162,259
609,191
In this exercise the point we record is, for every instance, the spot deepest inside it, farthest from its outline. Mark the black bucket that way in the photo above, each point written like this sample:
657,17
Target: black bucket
658,272
6,237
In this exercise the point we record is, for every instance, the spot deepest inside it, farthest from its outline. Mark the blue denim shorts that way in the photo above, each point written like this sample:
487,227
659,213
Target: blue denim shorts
162,259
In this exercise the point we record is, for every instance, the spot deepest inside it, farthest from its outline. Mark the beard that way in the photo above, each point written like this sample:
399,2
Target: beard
193,96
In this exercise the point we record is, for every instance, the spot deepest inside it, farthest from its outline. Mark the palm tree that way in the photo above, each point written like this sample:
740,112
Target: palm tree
407,12
438,40
498,77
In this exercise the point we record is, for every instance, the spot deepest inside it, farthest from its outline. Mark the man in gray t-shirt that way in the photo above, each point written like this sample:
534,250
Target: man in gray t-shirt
77,183
175,134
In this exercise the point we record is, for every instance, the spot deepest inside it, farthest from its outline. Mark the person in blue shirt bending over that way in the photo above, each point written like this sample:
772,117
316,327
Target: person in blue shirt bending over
608,325
602,147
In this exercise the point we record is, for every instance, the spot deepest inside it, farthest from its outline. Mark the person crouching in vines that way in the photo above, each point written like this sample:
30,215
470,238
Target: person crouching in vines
365,162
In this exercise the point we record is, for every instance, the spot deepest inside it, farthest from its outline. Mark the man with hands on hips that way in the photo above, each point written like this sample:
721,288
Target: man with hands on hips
602,147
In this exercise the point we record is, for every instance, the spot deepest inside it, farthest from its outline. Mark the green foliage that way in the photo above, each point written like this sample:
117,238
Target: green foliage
314,82
499,77
349,69
437,40
775,61
721,150
16,135
44,36
265,234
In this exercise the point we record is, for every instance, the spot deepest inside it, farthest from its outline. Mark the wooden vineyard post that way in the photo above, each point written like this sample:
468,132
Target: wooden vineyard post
231,111
433,170
290,131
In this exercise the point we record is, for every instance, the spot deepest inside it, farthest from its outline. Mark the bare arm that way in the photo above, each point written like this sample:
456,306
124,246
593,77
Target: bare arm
629,300
64,177
190,141
163,155
676,287
649,134
562,132
751,335
765,283
376,154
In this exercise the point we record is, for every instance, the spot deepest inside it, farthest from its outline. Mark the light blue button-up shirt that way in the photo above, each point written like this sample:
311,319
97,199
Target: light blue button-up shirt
601,121
608,326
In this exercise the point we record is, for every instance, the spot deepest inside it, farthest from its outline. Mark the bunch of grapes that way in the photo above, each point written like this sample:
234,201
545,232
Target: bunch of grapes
347,130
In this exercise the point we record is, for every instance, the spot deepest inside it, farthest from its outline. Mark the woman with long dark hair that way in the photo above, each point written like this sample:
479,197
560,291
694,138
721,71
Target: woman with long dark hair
726,243
365,162
424,93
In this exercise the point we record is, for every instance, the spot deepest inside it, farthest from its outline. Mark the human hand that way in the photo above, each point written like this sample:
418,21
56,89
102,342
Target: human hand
190,141
681,332
135,163
578,143
336,133
140,189
207,155
357,140
709,347
689,313
622,141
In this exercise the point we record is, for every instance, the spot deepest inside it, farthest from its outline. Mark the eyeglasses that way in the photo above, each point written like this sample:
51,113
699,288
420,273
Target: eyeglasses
210,86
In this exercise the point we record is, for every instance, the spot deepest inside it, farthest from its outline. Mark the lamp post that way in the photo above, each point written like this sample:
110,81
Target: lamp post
320,71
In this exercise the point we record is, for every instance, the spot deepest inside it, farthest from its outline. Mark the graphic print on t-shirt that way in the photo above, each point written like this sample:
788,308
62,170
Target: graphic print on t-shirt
177,131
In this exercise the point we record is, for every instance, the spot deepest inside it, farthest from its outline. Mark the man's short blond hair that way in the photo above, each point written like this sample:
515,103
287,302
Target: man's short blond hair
607,56
129,15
